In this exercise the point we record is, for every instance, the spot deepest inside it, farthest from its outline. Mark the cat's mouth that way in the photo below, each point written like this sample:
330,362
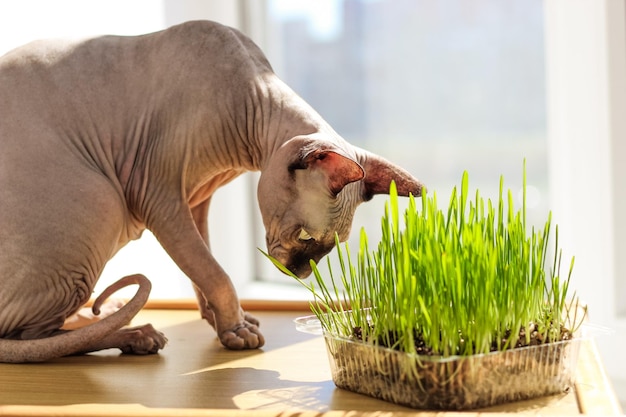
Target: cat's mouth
299,262
302,271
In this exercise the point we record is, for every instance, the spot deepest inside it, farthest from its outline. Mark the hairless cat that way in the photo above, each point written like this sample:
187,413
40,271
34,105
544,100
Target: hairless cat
103,138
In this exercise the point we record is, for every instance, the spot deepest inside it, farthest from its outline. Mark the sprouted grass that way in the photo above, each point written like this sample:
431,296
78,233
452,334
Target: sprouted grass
468,280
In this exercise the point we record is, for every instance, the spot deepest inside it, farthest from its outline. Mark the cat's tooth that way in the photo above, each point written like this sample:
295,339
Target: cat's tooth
304,235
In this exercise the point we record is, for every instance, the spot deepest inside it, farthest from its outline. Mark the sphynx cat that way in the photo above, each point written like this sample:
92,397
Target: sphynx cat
103,138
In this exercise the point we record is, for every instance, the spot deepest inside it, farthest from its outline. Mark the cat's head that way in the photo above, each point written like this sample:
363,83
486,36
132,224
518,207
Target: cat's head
310,190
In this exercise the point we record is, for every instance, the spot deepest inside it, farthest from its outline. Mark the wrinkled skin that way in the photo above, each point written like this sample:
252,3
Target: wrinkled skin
103,138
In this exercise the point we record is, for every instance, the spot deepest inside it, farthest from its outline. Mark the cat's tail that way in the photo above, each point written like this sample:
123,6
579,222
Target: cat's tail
79,341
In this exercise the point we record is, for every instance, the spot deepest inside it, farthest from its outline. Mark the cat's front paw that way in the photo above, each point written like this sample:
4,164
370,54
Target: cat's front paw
245,336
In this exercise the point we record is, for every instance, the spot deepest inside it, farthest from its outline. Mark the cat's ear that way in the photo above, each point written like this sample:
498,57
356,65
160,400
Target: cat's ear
338,168
378,176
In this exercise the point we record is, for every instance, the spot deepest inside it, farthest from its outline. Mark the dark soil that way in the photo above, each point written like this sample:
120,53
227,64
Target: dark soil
422,348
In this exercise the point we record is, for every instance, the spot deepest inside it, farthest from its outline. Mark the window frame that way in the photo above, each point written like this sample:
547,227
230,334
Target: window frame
586,63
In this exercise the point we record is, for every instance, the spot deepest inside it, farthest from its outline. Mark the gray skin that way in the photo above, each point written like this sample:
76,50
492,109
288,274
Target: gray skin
103,138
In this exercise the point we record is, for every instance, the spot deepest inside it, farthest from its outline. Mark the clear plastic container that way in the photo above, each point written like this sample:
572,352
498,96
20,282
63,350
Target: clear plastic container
448,383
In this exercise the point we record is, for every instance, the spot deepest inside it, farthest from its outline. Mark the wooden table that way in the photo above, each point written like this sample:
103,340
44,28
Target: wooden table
195,376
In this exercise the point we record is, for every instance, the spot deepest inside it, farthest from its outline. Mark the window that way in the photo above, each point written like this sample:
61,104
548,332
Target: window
437,87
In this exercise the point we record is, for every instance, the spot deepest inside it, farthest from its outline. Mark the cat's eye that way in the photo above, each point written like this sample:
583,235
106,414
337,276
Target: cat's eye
304,235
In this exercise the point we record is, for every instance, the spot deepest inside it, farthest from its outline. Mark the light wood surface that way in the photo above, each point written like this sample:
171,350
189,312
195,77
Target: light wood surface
194,375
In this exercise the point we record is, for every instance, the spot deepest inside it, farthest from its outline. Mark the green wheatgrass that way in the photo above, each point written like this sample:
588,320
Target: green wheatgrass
465,280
